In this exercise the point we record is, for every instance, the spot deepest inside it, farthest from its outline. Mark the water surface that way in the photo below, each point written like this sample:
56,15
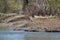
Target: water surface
21,35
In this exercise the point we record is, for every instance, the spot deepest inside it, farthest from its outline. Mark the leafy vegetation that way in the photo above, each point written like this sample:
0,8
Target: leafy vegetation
52,7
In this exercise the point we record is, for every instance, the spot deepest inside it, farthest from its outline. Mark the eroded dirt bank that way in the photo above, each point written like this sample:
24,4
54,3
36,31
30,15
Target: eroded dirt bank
38,24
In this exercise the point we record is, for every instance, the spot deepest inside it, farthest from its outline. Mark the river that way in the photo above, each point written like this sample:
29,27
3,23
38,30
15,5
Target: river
21,35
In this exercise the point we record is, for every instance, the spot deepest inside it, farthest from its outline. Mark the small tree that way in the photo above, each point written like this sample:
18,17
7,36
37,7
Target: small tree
34,7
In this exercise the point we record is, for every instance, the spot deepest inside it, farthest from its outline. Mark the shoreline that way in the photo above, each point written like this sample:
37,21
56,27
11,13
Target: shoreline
37,25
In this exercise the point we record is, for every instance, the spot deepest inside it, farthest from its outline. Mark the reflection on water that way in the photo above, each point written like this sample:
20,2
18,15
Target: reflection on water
43,36
20,35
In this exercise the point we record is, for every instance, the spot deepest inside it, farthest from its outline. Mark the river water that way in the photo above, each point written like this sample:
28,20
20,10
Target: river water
21,35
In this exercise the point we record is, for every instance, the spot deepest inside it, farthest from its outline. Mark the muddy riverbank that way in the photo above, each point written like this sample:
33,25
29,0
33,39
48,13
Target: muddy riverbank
38,24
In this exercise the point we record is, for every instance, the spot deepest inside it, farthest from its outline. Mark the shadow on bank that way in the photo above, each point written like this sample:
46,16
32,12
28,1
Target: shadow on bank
36,30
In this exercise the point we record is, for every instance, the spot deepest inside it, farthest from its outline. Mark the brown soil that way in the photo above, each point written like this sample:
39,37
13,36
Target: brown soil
39,24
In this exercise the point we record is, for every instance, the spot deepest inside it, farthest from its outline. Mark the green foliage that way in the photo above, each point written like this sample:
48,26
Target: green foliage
51,5
15,5
55,3
2,5
12,4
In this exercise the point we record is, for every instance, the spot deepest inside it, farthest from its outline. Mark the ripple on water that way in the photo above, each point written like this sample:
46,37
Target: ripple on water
21,35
